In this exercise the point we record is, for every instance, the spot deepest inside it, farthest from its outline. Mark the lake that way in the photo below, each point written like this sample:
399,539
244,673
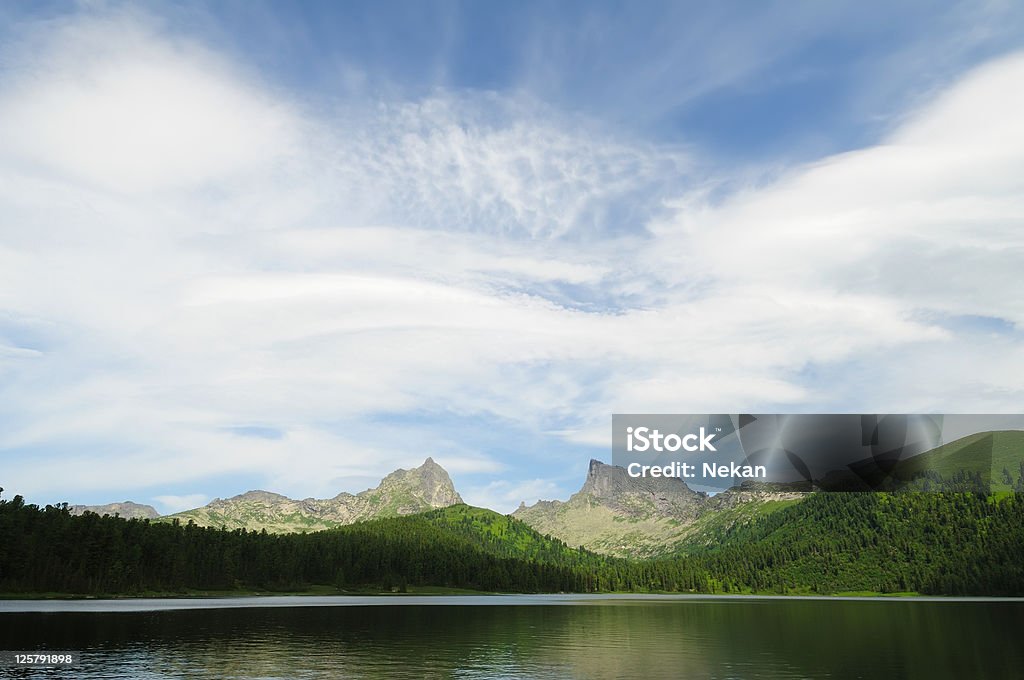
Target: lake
521,636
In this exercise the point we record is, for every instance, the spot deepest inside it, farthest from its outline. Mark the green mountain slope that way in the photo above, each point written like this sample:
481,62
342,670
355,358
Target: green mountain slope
503,535
997,458
707,531
949,543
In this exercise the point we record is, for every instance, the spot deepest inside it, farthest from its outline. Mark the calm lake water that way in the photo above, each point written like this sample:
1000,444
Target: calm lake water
521,637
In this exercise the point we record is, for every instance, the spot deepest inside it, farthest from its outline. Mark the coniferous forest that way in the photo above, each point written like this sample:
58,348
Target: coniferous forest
930,543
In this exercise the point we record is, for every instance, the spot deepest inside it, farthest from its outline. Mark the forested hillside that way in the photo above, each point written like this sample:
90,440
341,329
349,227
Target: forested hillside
948,543
50,550
938,543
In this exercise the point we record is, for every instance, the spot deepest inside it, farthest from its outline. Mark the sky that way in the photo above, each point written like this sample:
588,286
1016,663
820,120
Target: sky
296,245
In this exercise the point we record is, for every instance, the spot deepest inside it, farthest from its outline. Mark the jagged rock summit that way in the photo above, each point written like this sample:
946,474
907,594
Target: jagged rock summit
429,485
641,496
616,514
403,492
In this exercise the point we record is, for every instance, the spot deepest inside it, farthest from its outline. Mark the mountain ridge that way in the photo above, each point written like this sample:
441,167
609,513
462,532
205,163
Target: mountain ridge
125,509
402,492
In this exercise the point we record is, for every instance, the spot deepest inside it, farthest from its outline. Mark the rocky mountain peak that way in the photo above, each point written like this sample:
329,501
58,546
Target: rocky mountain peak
126,509
616,514
610,482
603,480
429,484
259,496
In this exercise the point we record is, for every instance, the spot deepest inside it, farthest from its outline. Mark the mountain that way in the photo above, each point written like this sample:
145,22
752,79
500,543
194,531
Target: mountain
641,517
127,509
615,514
403,492
754,538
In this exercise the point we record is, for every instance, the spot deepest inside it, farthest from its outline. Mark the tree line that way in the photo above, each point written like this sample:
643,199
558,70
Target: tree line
937,543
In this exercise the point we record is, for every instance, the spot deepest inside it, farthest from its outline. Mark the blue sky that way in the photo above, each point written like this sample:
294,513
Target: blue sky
294,246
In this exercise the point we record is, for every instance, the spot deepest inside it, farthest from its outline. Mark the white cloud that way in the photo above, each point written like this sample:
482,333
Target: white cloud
930,219
244,260
504,496
111,104
172,504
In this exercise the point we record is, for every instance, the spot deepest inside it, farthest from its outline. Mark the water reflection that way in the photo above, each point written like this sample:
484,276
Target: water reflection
680,639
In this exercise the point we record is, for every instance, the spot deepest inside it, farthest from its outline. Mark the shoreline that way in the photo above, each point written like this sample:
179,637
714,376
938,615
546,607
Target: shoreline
178,603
